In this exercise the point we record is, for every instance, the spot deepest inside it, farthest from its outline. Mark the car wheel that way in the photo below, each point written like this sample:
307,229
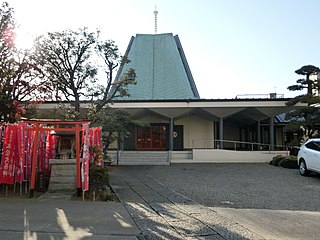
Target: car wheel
303,168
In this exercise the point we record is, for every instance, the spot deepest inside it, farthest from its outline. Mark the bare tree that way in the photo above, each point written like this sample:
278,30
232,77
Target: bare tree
69,61
65,58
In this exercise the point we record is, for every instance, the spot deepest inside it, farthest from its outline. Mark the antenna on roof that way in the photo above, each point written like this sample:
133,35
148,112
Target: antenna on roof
155,19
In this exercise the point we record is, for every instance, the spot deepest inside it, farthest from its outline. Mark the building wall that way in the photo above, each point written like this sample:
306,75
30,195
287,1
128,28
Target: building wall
199,133
196,128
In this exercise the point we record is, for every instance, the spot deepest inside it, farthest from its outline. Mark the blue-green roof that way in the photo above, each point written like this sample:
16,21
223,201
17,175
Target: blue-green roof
161,68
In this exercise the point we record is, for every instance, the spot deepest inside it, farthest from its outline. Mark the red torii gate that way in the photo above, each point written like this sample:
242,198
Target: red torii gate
55,126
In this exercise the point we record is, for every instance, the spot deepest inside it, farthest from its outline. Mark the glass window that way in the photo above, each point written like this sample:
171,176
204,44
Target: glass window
151,138
314,145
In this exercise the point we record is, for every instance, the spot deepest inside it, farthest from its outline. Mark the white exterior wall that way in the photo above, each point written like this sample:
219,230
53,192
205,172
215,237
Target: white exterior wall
195,128
227,156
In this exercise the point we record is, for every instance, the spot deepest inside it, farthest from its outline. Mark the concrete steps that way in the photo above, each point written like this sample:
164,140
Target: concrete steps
181,156
144,158
63,176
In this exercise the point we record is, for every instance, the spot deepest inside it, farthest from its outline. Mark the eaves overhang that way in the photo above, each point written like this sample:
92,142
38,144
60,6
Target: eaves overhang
217,108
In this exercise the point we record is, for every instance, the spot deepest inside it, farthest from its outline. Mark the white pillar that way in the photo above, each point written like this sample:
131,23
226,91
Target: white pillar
271,133
221,132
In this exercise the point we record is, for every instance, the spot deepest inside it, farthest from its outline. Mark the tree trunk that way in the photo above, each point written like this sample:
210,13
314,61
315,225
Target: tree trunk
77,107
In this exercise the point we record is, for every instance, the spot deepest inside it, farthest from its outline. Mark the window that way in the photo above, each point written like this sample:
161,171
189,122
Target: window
313,145
151,138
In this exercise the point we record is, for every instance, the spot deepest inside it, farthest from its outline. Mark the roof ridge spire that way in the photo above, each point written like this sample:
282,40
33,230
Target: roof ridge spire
155,12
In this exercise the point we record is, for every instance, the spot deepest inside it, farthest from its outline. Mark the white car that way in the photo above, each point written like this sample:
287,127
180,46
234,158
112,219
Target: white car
309,157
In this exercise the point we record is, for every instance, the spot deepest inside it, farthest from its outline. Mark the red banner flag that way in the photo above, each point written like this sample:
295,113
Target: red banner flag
30,139
9,154
91,145
1,128
97,137
85,158
21,145
98,142
41,152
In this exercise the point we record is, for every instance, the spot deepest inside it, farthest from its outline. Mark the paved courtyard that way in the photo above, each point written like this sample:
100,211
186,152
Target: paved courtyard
220,201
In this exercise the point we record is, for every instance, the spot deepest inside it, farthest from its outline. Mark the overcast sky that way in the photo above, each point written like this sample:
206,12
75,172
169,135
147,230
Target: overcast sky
232,46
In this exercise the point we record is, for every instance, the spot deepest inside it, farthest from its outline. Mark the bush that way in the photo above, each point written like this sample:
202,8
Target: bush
276,160
289,162
99,175
285,161
99,184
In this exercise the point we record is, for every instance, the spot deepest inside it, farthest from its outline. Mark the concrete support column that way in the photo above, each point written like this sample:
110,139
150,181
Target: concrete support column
221,132
258,134
216,133
171,134
271,133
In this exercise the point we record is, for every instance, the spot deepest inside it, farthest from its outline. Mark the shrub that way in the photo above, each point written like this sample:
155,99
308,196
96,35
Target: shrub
99,184
99,175
276,160
289,162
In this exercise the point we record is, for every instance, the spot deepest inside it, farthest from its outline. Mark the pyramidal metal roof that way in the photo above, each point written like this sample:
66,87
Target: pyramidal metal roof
161,68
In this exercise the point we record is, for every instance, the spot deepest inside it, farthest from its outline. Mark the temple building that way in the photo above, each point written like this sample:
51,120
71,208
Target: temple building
161,67
180,123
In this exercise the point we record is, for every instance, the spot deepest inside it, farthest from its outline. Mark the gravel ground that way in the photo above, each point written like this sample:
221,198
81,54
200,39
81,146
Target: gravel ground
163,214
256,186
219,201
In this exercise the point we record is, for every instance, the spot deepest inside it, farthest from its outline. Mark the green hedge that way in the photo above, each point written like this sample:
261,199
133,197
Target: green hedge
289,162
285,161
276,160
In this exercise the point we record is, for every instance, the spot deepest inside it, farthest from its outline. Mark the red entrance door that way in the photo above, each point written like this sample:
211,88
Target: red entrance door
151,138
